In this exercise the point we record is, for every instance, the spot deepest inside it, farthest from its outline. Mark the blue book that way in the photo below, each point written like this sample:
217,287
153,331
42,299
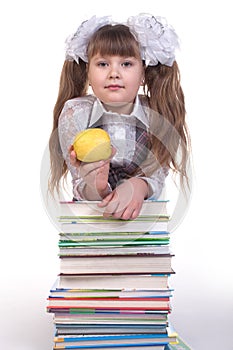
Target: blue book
114,341
114,347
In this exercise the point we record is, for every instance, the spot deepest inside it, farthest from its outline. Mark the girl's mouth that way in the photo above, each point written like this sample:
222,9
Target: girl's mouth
114,87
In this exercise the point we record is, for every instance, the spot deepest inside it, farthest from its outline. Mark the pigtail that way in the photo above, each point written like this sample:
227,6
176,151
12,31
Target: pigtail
169,130
73,83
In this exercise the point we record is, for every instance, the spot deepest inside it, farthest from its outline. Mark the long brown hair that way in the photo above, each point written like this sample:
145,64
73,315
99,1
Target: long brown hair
162,91
168,124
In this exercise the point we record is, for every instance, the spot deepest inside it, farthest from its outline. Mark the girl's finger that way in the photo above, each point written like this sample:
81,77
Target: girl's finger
110,209
106,200
73,159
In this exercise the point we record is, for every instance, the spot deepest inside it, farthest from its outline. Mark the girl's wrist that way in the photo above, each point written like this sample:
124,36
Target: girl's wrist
105,192
141,184
92,193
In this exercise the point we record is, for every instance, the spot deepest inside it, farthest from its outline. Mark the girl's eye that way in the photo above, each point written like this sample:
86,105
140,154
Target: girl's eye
127,64
102,64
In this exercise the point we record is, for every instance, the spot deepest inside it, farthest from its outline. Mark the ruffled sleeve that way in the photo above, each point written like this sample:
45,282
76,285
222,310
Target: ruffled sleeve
156,182
73,119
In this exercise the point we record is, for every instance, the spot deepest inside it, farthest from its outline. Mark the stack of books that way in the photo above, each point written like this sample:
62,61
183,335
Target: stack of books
113,285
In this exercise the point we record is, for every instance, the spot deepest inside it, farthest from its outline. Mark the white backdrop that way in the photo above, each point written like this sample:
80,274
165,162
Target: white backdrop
32,52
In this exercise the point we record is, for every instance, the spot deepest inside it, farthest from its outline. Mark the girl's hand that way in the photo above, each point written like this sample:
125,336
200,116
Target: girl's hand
126,200
95,175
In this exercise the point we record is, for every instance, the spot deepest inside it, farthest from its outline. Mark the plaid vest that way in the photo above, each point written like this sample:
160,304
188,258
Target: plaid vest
142,146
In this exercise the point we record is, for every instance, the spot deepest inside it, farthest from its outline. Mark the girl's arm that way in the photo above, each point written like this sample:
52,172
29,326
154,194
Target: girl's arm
94,175
126,200
156,182
72,120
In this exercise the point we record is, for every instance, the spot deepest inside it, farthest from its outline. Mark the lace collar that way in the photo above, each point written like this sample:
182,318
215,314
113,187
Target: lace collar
98,110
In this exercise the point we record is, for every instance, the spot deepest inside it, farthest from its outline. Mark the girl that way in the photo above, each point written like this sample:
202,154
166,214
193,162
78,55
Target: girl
148,131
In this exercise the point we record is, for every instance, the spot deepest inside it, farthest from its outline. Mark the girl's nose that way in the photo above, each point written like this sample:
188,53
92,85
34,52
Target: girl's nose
114,73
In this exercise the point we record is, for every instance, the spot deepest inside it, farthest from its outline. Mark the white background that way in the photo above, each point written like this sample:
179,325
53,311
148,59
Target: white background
32,52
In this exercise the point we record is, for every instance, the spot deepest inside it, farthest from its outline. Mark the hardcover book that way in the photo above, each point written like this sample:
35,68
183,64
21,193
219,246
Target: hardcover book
113,286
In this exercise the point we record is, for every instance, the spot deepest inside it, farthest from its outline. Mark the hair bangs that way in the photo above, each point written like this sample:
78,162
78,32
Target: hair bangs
113,40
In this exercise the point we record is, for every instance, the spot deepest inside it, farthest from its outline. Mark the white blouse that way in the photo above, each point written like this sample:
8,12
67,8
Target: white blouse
82,112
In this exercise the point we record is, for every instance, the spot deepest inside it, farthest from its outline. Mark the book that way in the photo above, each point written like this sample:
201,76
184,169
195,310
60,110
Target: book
117,264
91,208
110,303
64,329
112,347
111,317
109,281
125,250
115,340
96,293
93,236
105,225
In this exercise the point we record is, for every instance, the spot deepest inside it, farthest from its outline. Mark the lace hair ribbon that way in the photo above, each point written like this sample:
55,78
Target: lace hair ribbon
157,39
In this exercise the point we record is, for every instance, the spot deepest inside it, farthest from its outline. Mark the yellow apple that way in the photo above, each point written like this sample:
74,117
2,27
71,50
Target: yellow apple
92,145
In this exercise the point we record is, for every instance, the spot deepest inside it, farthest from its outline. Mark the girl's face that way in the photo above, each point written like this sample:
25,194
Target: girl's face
115,80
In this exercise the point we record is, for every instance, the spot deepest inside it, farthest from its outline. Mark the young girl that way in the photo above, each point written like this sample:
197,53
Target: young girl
148,131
